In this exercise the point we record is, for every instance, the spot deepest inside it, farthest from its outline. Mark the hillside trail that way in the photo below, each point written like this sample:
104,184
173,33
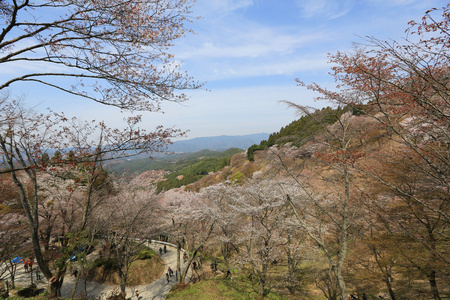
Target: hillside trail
155,290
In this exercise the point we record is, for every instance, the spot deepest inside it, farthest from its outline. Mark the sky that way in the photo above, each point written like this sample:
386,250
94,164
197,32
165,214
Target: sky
248,54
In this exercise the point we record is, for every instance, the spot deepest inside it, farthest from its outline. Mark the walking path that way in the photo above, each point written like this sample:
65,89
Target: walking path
155,290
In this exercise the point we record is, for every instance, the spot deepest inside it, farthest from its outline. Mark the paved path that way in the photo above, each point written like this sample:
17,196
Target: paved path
157,289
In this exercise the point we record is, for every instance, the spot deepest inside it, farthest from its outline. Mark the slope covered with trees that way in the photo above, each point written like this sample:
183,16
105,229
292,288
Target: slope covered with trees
300,131
366,191
180,169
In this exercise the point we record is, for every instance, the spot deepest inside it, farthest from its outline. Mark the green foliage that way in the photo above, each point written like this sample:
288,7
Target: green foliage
146,254
73,245
239,287
253,148
185,172
190,173
237,178
45,159
358,110
302,130
57,156
107,263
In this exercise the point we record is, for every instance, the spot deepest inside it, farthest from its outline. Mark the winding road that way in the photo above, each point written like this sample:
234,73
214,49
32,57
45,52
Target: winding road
157,289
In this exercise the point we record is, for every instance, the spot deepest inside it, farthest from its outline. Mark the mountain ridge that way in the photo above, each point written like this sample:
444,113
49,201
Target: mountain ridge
218,143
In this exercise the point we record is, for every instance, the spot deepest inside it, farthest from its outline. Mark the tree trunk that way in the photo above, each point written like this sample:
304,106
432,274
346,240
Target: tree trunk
183,277
389,287
46,240
31,276
342,254
74,288
291,284
121,281
225,250
262,280
433,284
178,261
385,273
13,285
55,286
32,215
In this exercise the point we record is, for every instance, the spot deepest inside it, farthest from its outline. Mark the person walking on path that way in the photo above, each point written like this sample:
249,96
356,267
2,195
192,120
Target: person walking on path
30,264
38,274
228,273
160,251
167,277
25,265
165,249
170,271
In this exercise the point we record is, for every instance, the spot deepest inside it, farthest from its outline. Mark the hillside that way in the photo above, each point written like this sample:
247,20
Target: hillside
296,141
175,170
348,187
173,162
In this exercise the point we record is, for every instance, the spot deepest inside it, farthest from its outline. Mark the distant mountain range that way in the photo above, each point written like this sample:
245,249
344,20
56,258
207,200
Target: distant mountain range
218,143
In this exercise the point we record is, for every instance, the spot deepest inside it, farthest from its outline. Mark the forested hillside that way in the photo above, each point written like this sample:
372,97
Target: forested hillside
300,131
352,200
182,169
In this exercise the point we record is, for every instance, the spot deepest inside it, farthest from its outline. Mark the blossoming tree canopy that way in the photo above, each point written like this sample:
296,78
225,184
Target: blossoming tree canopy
113,52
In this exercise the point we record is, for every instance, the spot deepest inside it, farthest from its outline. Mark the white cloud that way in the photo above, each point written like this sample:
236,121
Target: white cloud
220,7
326,9
290,66
393,2
253,41
233,4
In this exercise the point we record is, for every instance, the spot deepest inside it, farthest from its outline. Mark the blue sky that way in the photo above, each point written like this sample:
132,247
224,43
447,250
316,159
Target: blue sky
249,52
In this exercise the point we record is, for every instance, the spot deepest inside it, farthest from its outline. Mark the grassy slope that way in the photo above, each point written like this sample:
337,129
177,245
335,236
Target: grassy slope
219,288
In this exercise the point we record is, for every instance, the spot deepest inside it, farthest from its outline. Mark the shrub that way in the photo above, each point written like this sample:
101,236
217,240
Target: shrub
107,263
237,178
145,254
253,148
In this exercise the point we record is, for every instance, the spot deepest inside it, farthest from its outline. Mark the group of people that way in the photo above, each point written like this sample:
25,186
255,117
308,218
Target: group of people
213,266
355,296
27,264
161,250
197,264
170,274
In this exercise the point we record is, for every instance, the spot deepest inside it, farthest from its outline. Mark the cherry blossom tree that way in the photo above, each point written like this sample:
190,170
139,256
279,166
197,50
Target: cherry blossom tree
128,218
327,206
111,52
14,240
114,52
404,86
60,207
221,199
27,138
263,205
192,224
